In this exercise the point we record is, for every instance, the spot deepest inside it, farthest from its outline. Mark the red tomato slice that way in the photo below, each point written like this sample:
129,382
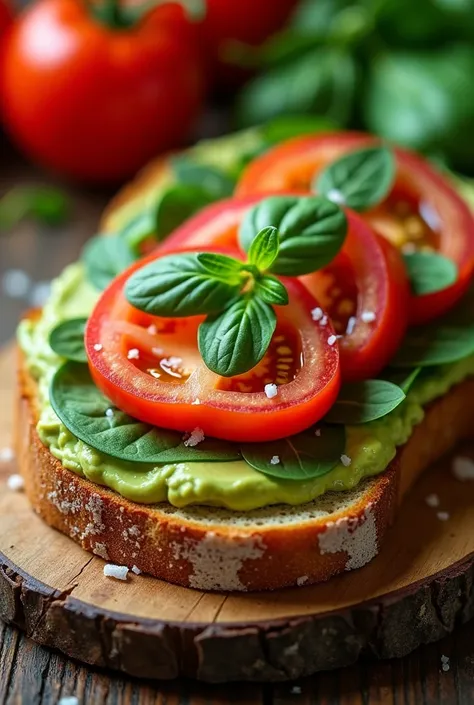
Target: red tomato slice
367,277
150,367
422,211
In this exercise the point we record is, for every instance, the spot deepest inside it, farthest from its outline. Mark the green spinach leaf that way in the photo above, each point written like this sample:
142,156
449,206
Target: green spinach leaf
301,457
89,416
67,339
361,402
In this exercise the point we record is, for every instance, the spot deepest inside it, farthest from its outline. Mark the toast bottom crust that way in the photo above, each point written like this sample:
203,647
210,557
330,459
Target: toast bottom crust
217,549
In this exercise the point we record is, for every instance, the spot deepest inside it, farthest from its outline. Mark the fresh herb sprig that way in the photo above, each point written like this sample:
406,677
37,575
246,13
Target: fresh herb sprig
281,235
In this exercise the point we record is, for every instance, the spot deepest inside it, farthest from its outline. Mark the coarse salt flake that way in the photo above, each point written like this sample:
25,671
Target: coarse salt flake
351,325
443,516
119,572
301,580
133,354
317,313
69,700
367,316
152,329
109,413
275,460
332,339
271,390
196,436
97,347
445,663
463,468
432,500
6,455
15,483
296,690
196,402
345,460
317,432
336,196
136,570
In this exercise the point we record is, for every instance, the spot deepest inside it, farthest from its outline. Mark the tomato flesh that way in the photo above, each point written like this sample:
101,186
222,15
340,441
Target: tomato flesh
367,276
150,367
422,212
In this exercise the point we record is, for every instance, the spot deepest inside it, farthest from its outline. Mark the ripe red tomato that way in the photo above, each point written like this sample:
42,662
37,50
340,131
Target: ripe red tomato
166,374
96,102
244,21
6,16
422,210
364,290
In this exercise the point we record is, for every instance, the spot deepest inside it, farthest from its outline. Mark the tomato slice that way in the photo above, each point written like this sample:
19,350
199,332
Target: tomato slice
423,211
150,367
367,279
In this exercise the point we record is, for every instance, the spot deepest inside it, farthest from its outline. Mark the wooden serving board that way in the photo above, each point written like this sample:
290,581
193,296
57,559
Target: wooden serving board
416,591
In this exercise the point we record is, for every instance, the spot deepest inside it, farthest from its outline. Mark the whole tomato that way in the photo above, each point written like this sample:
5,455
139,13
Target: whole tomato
95,99
243,21
5,16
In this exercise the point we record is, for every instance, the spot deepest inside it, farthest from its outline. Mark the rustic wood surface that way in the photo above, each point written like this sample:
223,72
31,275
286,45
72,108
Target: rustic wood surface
32,674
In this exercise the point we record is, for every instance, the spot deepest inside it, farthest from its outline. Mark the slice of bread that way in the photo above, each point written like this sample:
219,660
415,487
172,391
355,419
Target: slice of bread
218,549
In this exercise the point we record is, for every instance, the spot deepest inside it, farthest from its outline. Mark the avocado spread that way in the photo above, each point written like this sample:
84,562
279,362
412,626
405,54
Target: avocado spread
235,484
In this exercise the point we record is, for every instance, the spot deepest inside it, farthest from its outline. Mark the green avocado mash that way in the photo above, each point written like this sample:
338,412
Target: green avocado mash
235,484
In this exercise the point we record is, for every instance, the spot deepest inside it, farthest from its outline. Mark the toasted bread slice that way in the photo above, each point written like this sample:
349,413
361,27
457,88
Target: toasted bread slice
218,549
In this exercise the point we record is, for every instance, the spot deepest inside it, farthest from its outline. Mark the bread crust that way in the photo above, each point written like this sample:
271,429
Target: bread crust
202,550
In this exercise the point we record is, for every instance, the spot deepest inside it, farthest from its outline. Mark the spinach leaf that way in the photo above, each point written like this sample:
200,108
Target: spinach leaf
104,257
67,339
429,272
209,178
234,341
311,230
179,285
300,457
361,402
89,416
359,179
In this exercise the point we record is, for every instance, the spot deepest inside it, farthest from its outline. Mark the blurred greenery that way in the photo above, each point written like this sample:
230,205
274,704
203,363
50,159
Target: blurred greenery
401,68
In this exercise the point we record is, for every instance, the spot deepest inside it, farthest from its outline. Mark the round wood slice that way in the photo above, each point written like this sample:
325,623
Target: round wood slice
417,589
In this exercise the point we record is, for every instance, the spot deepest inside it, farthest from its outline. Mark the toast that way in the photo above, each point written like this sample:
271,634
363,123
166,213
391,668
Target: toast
217,549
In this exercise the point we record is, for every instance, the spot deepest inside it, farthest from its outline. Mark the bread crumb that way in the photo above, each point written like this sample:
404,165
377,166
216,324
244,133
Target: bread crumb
119,572
345,460
6,455
443,516
271,390
275,460
136,570
445,663
432,500
133,354
463,468
196,436
15,483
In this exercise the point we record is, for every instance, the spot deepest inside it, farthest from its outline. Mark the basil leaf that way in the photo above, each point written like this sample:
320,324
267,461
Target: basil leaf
429,272
177,286
212,180
358,180
311,230
140,228
322,81
178,203
82,408
402,378
67,339
104,257
221,266
235,340
264,248
301,457
448,339
360,402
271,290
286,126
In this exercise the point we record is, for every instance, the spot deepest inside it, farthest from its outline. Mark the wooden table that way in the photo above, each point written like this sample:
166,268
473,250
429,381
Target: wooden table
31,675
